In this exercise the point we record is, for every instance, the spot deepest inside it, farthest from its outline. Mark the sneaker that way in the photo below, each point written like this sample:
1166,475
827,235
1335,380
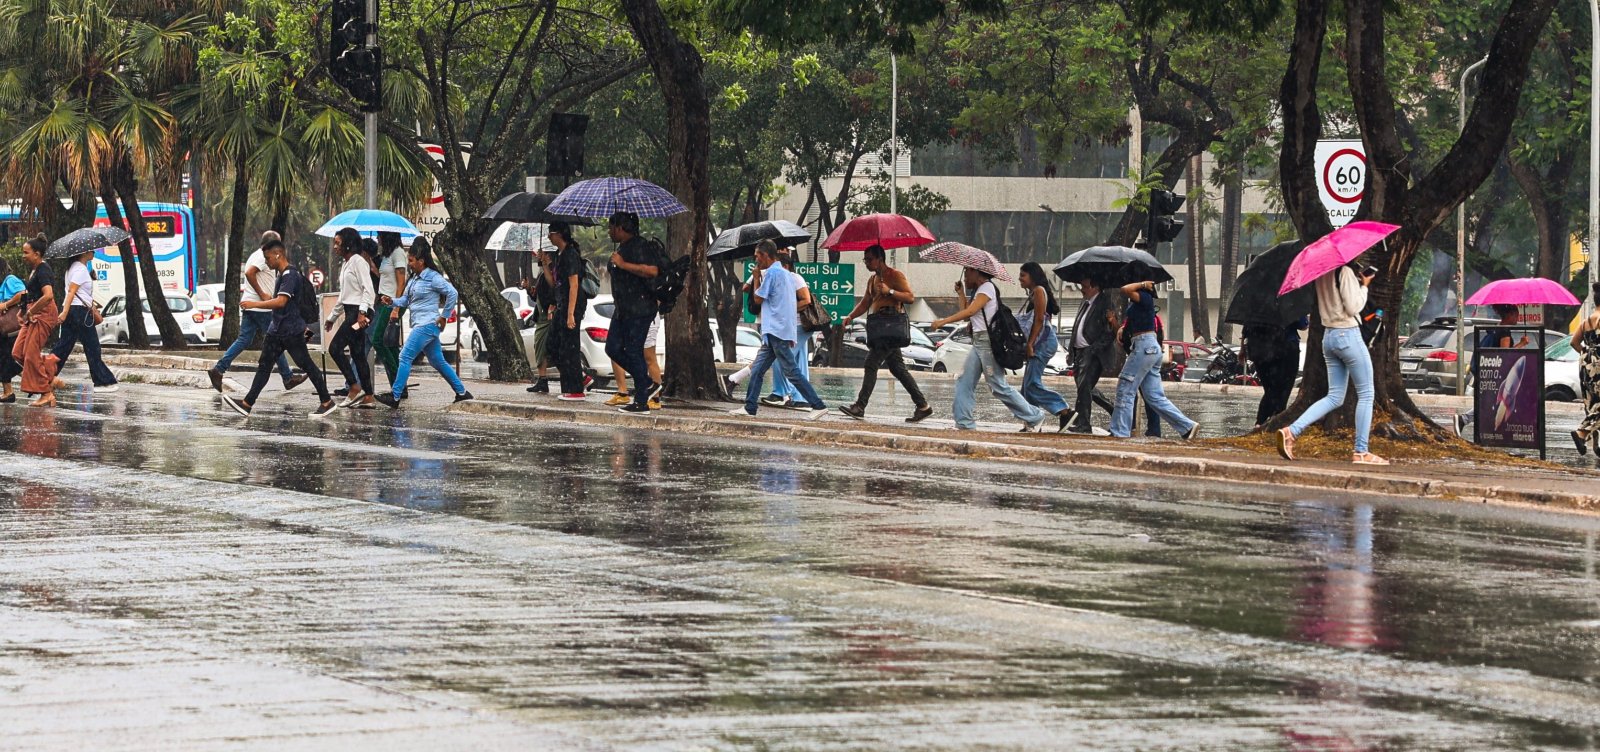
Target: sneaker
588,381
619,399
342,391
653,394
542,386
921,414
1462,419
853,411
463,397
295,381
741,411
324,410
239,406
816,413
655,404
633,408
107,389
389,398
1192,433
574,397
774,400
1066,419
1034,426
216,379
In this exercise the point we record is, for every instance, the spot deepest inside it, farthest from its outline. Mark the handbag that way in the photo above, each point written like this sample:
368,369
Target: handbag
10,321
888,329
815,318
391,334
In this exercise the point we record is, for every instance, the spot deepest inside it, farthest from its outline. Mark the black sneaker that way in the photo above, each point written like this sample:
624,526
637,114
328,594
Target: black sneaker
239,406
1066,419
1582,443
542,386
389,398
774,400
854,411
463,397
653,394
634,407
216,379
921,414
297,380
324,410
342,391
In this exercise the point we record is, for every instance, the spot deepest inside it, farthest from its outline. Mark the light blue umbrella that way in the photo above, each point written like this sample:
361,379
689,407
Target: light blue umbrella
602,197
370,222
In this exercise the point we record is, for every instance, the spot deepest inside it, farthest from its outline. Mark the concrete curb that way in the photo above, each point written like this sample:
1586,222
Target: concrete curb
1232,471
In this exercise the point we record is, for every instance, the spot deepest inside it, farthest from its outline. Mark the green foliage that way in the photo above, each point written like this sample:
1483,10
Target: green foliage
794,23
914,201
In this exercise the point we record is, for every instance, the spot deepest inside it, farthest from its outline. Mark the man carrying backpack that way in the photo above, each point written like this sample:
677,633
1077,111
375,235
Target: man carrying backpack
634,266
293,306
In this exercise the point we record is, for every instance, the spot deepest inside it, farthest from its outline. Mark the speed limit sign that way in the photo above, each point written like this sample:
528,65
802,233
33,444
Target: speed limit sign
1341,178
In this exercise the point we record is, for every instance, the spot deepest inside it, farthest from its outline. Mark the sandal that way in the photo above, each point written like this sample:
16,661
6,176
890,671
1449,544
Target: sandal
1368,458
1285,444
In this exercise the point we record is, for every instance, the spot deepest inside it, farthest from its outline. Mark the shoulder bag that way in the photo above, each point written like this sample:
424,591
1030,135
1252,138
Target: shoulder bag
815,318
10,321
888,328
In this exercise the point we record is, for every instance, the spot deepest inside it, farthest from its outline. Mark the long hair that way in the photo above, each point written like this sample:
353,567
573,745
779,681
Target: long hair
349,240
5,268
565,231
1036,273
388,241
421,251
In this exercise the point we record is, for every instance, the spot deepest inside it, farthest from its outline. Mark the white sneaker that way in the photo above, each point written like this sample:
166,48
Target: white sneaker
107,389
816,413
741,411
1034,426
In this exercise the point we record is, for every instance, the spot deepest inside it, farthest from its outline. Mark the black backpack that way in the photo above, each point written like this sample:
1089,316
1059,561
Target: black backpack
1006,338
671,274
306,297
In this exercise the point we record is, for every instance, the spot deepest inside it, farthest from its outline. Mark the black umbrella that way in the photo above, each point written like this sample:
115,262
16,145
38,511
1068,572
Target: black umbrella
530,207
1112,266
1255,294
79,242
740,242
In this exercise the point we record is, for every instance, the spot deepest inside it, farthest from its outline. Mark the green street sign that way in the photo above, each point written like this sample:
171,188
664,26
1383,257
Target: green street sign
833,285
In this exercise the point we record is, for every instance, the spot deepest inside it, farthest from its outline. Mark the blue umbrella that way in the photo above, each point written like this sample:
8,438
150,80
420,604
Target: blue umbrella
602,197
370,222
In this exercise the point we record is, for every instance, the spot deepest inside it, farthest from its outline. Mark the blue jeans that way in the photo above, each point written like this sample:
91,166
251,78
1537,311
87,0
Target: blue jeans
251,323
781,352
1141,374
1348,360
625,346
1033,389
424,340
802,357
980,363
79,328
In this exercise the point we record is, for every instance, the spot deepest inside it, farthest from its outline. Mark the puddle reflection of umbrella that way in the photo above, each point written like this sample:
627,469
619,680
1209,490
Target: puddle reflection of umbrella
1332,251
740,242
1255,300
531,207
1112,266
968,257
1523,291
603,197
79,242
886,231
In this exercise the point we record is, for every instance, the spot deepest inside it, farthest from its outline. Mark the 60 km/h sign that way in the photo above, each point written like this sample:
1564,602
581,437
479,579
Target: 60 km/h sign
1341,178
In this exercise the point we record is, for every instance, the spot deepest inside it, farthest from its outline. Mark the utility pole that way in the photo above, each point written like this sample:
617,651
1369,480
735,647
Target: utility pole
372,114
1461,246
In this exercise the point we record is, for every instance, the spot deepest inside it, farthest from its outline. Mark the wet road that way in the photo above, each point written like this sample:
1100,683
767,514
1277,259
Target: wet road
665,591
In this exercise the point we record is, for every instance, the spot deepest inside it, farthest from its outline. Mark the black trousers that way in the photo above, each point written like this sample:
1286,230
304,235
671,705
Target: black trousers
562,350
295,347
1277,384
9,367
1086,374
349,349
879,357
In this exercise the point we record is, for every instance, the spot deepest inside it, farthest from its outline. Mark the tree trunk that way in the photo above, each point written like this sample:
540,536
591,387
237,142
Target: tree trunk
1545,194
138,338
1232,205
1199,317
127,192
233,271
460,251
679,72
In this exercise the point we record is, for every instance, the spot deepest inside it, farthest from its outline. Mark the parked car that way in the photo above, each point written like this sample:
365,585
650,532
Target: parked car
212,301
745,347
951,354
938,335
522,306
1561,371
919,356
113,329
1428,360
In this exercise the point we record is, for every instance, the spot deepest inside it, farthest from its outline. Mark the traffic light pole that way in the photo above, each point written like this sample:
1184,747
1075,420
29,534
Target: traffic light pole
372,117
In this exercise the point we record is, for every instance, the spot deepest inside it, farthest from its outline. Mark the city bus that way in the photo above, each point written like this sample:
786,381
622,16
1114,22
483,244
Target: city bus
173,242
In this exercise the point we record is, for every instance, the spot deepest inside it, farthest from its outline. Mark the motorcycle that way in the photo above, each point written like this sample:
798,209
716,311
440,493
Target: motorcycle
1227,368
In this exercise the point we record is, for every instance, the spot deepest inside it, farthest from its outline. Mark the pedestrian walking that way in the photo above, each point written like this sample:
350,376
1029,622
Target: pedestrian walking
567,306
780,328
428,297
1141,372
1340,297
1275,351
541,292
13,296
392,275
78,326
888,293
38,321
1034,318
785,394
356,299
257,281
287,332
1587,342
1094,351
982,309
652,363
633,265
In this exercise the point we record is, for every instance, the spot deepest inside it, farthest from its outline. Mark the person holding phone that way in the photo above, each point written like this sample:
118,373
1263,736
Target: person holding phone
1340,297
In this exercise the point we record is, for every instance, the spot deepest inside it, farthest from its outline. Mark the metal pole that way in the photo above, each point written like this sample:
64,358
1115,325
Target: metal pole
1594,147
894,135
1461,248
372,117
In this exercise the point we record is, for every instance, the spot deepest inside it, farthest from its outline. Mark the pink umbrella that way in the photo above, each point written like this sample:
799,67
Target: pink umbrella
1333,250
965,255
1527,291
886,230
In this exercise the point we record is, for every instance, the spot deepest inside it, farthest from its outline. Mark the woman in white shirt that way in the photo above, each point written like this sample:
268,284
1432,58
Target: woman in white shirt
1341,294
356,297
983,308
78,325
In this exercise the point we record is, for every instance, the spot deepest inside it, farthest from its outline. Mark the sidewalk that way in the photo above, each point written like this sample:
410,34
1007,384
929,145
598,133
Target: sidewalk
1530,484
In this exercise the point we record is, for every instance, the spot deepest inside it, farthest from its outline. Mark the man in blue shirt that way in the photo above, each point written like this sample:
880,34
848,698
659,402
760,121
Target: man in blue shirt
287,334
779,298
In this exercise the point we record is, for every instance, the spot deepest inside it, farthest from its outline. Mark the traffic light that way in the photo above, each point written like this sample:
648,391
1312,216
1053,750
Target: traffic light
347,29
1162,228
365,77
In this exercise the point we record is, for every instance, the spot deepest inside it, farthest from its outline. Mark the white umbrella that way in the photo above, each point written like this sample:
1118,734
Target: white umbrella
524,237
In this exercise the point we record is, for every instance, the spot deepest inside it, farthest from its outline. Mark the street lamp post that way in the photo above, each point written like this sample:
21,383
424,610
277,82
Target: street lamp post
1461,248
894,135
1594,146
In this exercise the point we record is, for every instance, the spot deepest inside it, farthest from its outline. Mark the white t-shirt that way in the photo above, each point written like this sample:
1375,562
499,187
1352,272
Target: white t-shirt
990,309
79,275
266,277
799,282
386,266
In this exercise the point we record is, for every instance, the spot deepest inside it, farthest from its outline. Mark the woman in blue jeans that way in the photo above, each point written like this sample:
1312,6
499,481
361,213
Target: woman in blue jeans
428,297
1340,297
982,308
1141,373
1034,318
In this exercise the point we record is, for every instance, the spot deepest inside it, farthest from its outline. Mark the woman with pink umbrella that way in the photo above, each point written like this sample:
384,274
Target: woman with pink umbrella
1341,294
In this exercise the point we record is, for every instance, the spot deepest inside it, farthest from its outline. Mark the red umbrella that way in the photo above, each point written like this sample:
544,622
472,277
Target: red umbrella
886,230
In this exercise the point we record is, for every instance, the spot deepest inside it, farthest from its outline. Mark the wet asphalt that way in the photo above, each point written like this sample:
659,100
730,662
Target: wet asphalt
635,589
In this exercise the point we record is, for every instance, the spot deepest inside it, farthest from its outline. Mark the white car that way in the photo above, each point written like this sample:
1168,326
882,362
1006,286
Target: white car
951,356
211,301
1561,372
745,348
113,329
